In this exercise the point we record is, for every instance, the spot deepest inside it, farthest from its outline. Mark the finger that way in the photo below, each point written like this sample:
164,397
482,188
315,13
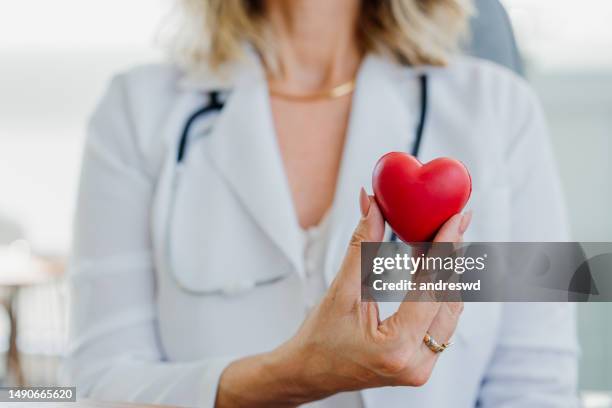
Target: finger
443,325
441,330
418,310
446,243
413,318
371,228
453,229
445,322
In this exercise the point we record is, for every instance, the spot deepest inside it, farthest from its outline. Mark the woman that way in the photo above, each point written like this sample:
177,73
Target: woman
214,272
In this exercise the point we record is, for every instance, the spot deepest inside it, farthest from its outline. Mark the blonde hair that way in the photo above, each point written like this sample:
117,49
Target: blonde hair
415,32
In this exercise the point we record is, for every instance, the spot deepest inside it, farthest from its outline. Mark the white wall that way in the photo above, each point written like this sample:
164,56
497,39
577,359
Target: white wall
568,45
579,109
55,60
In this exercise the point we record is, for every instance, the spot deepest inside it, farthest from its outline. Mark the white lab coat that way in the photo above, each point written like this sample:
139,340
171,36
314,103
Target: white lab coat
136,335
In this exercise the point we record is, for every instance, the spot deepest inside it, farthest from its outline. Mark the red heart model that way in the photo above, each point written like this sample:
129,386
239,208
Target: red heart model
416,199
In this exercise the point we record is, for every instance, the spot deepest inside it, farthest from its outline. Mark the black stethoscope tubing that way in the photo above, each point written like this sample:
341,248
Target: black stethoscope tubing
215,105
420,127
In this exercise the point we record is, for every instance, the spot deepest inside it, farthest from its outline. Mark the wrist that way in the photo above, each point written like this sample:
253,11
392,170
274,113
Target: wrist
275,379
293,367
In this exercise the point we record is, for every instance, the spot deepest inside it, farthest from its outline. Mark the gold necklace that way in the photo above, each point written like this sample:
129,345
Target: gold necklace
333,93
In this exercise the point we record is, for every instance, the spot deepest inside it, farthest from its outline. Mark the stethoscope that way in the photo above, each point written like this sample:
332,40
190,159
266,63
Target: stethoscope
215,105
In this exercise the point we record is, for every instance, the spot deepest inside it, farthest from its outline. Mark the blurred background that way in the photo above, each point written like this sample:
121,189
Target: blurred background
56,58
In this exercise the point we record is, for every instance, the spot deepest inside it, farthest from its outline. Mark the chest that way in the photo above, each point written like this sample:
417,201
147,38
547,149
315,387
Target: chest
311,137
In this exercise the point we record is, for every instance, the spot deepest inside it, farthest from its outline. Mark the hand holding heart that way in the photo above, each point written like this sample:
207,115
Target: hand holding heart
343,344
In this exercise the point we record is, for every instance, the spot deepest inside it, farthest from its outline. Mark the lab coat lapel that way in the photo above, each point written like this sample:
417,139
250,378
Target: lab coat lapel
244,150
381,121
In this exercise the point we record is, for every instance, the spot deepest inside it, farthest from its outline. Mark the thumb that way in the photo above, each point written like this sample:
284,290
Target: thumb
371,228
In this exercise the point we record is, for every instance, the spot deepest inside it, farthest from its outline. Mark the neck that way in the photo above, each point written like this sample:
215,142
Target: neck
316,42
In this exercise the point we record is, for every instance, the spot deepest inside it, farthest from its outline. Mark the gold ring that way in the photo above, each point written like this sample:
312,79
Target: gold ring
433,345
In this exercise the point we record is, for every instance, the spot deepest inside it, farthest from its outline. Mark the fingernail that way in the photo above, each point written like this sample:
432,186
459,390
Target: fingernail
364,202
465,221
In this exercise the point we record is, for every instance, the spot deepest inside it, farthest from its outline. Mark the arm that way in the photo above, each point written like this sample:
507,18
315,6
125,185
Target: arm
535,362
113,350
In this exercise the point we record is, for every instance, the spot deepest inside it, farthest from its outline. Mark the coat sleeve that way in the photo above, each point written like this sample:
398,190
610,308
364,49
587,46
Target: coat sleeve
535,360
114,350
